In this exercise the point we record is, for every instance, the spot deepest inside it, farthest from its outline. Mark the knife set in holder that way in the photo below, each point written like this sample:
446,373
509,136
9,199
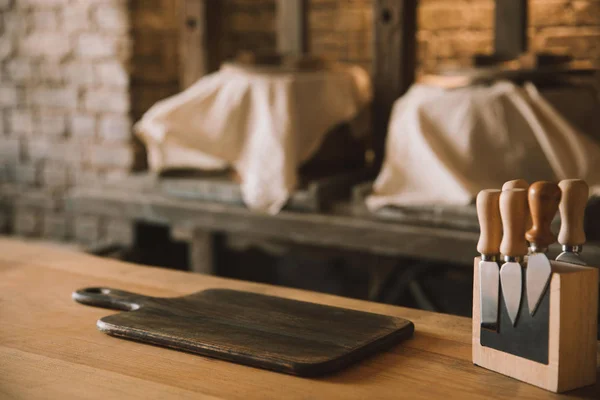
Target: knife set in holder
535,319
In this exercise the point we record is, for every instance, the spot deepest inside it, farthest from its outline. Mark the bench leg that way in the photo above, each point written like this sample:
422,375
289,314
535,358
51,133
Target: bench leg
202,248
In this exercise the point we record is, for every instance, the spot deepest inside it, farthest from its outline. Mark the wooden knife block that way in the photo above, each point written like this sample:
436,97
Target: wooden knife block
572,333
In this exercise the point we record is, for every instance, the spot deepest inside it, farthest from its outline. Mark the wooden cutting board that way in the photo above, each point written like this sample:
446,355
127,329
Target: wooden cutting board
268,332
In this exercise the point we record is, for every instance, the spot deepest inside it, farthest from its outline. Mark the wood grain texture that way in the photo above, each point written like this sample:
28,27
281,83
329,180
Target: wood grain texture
71,359
513,209
543,198
516,184
289,336
519,184
575,193
488,212
572,333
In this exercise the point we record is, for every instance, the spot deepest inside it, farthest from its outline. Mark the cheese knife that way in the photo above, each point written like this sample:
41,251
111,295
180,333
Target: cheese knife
516,184
575,194
513,212
488,213
519,184
544,198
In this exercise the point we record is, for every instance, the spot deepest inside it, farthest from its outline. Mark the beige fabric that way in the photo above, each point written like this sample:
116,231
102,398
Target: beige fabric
443,147
263,124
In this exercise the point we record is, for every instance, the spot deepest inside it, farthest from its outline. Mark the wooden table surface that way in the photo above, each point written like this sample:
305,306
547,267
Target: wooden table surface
50,347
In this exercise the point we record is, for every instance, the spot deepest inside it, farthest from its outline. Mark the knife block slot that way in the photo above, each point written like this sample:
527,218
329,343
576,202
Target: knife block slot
572,298
529,337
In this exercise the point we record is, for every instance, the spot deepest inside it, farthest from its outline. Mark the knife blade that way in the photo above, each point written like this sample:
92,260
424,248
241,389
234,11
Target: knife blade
544,198
488,213
575,193
513,209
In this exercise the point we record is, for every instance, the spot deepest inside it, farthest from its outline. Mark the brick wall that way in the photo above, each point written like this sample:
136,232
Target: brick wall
341,30
64,110
451,31
249,25
74,75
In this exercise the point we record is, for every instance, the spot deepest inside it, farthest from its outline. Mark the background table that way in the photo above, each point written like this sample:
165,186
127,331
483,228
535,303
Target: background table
50,347
443,237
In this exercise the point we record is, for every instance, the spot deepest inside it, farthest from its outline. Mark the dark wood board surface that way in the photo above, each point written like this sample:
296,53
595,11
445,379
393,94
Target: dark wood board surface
274,333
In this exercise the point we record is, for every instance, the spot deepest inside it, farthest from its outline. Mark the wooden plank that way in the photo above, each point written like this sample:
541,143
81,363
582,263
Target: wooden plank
291,26
71,359
394,62
510,28
200,37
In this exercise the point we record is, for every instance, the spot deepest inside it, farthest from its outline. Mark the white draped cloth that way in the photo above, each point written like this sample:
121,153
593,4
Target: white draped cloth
444,146
263,124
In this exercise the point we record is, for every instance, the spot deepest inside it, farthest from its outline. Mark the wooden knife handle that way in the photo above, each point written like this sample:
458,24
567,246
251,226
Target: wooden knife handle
520,184
516,184
513,212
488,213
575,193
544,198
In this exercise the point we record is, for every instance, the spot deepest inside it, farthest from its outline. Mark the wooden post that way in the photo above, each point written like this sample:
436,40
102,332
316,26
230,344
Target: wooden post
201,247
394,62
511,28
291,26
200,39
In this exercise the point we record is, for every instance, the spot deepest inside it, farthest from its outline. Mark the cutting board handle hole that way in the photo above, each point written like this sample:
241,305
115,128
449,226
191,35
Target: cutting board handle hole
97,290
114,299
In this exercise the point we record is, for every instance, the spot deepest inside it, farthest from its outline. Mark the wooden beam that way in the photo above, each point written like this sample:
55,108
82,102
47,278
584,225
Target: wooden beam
394,62
511,28
200,37
291,26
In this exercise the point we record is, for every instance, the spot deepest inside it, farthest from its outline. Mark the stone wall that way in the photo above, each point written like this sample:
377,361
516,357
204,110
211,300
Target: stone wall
65,111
